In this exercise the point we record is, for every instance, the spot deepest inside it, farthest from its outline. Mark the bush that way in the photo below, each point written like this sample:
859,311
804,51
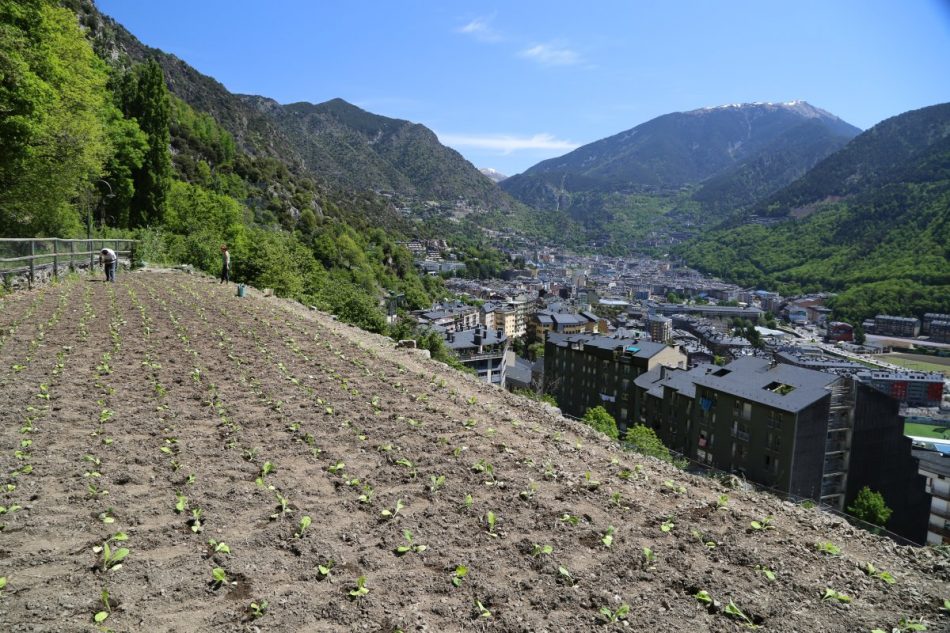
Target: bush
869,506
600,420
644,440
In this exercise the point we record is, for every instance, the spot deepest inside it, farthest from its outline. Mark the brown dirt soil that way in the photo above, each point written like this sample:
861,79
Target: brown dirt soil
121,397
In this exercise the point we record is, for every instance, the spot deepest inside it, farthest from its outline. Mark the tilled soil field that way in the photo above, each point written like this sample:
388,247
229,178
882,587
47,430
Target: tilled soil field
225,464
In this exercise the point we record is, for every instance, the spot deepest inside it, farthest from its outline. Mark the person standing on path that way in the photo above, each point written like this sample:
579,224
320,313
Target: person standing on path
109,261
225,264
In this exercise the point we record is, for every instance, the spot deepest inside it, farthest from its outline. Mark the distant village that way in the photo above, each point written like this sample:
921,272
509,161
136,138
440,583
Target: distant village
742,380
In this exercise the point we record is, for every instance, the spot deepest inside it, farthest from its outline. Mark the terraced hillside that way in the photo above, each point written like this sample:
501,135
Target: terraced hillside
192,431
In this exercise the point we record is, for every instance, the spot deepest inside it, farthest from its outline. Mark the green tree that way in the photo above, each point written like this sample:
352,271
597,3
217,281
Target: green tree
859,336
644,439
52,118
869,506
600,420
144,97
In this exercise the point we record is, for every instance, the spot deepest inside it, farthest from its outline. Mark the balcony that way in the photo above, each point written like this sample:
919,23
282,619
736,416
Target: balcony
835,467
740,435
836,447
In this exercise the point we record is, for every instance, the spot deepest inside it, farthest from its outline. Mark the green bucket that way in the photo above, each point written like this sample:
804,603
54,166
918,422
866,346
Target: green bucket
240,290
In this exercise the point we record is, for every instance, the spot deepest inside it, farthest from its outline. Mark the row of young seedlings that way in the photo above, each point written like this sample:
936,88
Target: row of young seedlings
218,551
666,526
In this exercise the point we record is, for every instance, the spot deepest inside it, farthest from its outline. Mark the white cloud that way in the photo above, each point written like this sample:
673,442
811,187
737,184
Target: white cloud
481,29
551,55
506,144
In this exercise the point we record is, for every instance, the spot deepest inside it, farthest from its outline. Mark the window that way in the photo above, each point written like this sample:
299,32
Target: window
747,411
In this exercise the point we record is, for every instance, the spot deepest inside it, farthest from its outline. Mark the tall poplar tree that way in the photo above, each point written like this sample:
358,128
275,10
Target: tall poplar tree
144,97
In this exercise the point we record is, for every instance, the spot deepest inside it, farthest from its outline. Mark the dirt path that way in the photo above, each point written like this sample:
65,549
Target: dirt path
178,413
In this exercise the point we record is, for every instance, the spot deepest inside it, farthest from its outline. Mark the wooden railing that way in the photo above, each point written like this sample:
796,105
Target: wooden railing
28,256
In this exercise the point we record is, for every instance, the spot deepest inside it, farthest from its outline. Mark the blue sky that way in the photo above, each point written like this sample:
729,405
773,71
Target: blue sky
510,84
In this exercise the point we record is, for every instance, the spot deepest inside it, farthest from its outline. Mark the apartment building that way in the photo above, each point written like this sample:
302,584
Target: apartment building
583,371
935,467
913,388
886,325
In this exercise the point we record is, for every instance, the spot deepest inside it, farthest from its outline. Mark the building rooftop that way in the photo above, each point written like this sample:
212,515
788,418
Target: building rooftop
780,386
636,347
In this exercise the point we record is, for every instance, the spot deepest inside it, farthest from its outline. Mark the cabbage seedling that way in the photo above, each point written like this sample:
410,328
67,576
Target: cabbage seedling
608,538
391,514
257,609
101,616
766,571
181,504
112,560
459,574
482,611
336,468
305,522
283,507
196,525
361,588
566,576
764,524
735,612
218,577
668,525
612,617
325,569
541,550
490,519
409,546
704,597
831,594
218,547
828,548
570,519
871,571
436,482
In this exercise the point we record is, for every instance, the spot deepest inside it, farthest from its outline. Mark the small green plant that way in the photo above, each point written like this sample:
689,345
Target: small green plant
436,482
674,487
608,538
589,482
733,611
468,502
482,611
828,548
218,577
871,571
704,597
409,546
360,590
101,616
325,569
541,550
649,558
570,519
196,525
613,616
460,572
181,503
305,522
668,525
564,575
768,573
722,503
336,468
110,560
831,594
266,469
257,609
763,525
391,513
218,547
490,520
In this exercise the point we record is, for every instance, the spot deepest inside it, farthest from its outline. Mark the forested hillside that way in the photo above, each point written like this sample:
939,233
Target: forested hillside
90,142
873,224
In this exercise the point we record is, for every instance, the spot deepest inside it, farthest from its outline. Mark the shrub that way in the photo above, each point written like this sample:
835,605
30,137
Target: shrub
598,419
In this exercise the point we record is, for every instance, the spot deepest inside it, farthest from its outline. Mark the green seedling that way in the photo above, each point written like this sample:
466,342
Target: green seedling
870,570
283,507
181,503
360,590
436,482
828,548
614,616
704,597
608,538
722,503
831,594
409,546
570,519
768,573
101,616
257,609
325,569
218,577
490,520
668,525
674,487
625,474
469,423
305,522
467,502
111,560
218,547
616,500
459,574
564,575
95,491
196,525
10,508
482,611
735,612
391,513
336,468
764,524
649,558
472,400
699,536
106,517
528,493
366,495
541,550
590,482
266,469
410,467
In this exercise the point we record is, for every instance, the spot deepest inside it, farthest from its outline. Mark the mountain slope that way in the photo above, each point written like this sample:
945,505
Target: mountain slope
684,148
334,142
871,221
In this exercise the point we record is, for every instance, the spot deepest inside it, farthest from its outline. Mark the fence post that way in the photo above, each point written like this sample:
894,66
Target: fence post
90,249
56,259
32,263
72,252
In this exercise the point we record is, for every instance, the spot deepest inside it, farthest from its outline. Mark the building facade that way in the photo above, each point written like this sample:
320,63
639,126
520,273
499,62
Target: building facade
913,388
886,325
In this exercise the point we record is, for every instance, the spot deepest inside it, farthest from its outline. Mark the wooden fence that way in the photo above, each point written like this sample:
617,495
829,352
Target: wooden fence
29,257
